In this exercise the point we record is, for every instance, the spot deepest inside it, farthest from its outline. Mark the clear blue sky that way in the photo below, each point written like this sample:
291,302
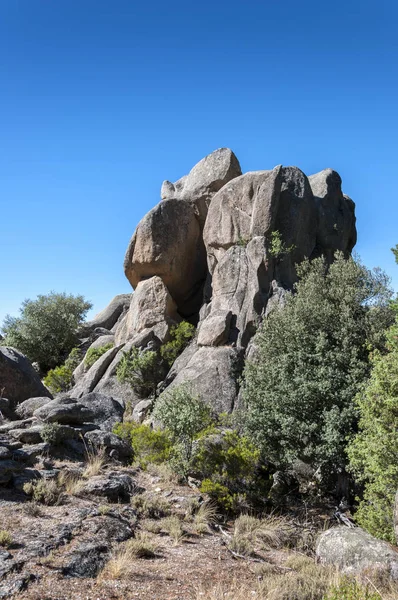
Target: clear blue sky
100,100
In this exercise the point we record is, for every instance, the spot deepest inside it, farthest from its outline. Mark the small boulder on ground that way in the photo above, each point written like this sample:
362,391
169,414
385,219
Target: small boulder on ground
113,445
354,550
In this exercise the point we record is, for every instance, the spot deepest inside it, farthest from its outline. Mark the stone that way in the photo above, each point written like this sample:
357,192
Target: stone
30,454
5,409
66,411
106,410
109,316
28,407
115,487
205,179
353,550
109,441
23,477
87,560
168,244
7,469
87,382
4,452
28,436
212,374
214,331
18,379
151,308
141,410
336,215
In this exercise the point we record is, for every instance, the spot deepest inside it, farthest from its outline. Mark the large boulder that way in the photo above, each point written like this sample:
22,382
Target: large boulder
28,407
168,243
107,411
205,179
336,214
151,308
65,411
353,550
18,379
212,373
109,316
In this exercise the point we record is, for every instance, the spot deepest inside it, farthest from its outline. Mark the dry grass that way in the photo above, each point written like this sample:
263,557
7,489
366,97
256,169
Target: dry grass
95,463
252,534
5,538
120,565
32,509
173,527
151,525
150,506
205,516
164,472
72,484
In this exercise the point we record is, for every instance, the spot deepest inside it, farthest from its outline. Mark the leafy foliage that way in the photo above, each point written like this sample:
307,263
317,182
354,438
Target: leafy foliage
373,452
311,359
277,247
149,445
51,433
184,415
181,335
93,354
46,331
141,369
60,379
349,589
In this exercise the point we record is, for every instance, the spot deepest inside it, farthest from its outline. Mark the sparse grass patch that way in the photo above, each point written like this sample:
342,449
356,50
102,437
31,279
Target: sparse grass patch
173,527
151,525
164,472
104,509
251,533
5,538
96,460
71,483
150,506
205,516
32,509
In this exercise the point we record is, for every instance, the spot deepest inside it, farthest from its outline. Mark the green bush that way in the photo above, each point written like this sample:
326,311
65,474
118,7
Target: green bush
373,451
51,433
277,248
93,354
184,415
181,335
311,358
142,370
46,331
349,589
149,445
60,379
219,493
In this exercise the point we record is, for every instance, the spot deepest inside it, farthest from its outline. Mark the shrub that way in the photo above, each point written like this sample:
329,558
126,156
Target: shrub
232,463
51,433
5,538
312,357
93,354
181,335
149,445
277,247
184,415
373,452
60,379
150,506
46,331
141,369
349,589
45,491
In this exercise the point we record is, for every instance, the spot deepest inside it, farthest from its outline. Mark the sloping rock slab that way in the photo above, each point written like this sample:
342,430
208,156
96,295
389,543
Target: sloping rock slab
18,378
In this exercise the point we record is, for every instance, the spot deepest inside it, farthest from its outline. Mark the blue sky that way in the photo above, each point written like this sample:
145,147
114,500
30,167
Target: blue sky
102,100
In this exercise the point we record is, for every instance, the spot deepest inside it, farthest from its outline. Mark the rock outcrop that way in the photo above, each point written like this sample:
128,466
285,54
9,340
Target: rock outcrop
18,379
220,250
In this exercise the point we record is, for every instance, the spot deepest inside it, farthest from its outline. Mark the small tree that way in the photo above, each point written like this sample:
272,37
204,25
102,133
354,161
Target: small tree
373,452
181,335
184,415
312,357
46,329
